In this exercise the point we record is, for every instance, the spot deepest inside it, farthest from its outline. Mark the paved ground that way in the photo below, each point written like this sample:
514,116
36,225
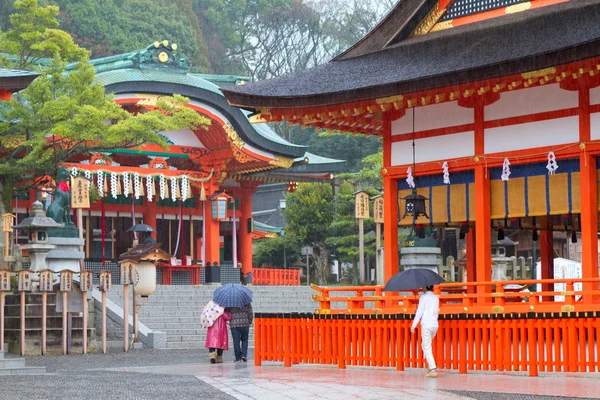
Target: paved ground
172,374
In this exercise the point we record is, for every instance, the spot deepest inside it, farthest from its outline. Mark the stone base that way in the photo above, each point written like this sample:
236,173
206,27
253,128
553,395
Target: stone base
69,231
66,255
421,257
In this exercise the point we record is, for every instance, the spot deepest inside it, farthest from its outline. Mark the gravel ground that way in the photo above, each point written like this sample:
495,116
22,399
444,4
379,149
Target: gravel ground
73,385
116,358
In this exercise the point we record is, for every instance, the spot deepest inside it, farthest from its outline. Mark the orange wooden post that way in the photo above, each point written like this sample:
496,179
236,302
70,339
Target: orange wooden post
245,232
258,339
547,258
390,227
462,338
399,343
589,198
532,347
572,343
471,270
22,332
287,340
483,252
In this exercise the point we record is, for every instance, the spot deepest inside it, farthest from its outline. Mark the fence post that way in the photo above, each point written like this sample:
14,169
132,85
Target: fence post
287,340
258,326
399,342
341,353
532,346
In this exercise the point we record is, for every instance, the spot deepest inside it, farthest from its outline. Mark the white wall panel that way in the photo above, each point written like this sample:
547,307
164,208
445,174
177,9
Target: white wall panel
595,95
532,135
595,126
531,101
434,116
435,148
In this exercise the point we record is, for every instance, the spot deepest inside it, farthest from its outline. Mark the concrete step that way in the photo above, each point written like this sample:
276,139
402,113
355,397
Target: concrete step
10,363
24,371
185,345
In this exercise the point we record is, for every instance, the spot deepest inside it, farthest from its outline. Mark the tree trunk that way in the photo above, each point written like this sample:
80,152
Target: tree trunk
6,194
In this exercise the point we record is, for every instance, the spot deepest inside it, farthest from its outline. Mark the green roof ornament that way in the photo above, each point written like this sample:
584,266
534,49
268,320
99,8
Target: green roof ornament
160,55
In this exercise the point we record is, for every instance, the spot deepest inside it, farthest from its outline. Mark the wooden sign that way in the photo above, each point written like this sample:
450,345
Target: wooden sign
362,205
378,210
24,280
66,280
80,195
127,273
46,280
8,221
86,282
105,282
4,280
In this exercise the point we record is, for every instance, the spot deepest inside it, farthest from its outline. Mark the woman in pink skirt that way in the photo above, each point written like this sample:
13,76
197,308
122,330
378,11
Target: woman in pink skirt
217,338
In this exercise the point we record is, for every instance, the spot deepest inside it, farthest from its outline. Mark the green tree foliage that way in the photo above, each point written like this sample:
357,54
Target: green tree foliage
111,27
34,35
269,252
61,115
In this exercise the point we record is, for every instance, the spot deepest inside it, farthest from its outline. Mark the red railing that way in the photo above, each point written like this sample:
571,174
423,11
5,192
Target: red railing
275,277
465,298
167,273
502,342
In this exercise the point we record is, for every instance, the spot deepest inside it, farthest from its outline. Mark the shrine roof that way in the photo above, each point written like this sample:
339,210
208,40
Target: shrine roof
496,47
14,80
267,228
158,69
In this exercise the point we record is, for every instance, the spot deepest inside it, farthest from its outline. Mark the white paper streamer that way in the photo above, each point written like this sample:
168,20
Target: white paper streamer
126,188
552,164
409,179
136,185
114,189
184,188
446,173
174,188
88,176
149,183
163,187
100,182
505,170
74,171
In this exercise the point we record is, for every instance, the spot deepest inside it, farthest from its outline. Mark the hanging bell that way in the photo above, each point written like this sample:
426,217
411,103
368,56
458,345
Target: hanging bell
464,229
573,237
500,234
534,235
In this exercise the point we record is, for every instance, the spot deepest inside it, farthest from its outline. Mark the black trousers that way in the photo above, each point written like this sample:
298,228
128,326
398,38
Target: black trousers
219,351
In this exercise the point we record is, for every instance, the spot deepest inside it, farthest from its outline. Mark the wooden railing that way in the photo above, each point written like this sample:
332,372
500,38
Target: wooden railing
464,298
275,277
530,342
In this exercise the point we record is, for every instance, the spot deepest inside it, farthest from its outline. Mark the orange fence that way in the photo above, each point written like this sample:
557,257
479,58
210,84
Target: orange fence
464,297
275,277
533,342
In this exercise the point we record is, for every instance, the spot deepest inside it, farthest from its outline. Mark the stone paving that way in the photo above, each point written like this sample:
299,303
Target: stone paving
178,374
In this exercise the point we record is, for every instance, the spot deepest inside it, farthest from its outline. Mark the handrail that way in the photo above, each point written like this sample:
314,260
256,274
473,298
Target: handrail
483,301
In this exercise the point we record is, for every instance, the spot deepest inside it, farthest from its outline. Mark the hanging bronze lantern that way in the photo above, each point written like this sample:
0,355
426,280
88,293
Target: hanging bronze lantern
415,206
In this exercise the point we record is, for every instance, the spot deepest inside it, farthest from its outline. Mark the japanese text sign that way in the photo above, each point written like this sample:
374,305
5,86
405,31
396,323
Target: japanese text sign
46,280
378,210
24,280
66,281
80,195
362,205
105,282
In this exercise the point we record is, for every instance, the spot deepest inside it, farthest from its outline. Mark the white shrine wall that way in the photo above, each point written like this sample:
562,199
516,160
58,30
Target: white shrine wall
521,119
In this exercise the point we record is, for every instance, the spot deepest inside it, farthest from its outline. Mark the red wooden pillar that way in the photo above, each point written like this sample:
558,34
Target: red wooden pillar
5,95
483,245
245,234
390,208
150,215
547,259
471,270
483,240
213,253
589,197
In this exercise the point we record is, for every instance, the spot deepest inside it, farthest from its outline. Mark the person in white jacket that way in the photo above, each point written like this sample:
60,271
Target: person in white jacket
427,315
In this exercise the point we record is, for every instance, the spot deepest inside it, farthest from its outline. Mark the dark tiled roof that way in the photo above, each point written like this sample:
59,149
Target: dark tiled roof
507,45
15,80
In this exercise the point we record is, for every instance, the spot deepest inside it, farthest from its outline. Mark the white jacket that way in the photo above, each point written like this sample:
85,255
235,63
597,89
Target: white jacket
427,312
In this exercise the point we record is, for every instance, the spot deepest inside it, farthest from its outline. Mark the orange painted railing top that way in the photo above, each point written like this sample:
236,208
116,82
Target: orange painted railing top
466,298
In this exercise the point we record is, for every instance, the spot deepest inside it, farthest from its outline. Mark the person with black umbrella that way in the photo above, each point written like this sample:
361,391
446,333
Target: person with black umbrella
427,315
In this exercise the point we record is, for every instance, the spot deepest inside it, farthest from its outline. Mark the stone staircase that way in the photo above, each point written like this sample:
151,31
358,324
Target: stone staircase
16,366
176,310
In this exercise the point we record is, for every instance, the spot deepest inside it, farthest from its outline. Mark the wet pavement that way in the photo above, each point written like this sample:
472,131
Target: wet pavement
164,374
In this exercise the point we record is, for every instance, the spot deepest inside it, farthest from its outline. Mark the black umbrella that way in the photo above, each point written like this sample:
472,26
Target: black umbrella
141,228
412,279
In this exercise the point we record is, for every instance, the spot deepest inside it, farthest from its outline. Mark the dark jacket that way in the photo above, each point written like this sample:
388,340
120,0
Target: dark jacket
241,316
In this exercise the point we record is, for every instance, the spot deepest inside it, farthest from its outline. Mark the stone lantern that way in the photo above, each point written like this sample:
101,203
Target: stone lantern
37,225
144,258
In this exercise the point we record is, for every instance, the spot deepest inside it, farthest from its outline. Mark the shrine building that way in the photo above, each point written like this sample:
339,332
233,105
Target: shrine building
489,113
180,191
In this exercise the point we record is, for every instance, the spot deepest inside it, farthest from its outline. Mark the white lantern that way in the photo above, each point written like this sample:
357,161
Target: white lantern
146,271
